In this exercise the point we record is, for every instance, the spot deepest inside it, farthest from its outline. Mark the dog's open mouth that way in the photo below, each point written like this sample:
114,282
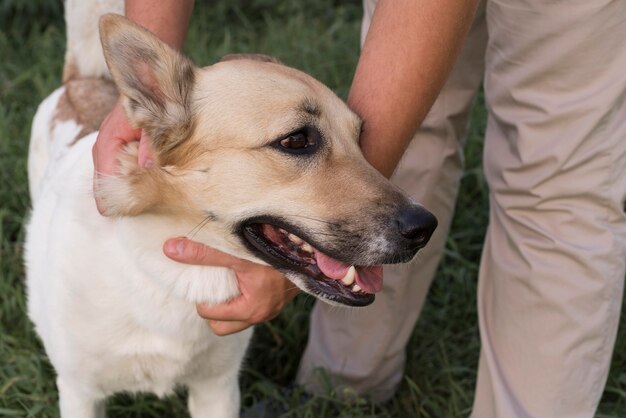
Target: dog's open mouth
325,276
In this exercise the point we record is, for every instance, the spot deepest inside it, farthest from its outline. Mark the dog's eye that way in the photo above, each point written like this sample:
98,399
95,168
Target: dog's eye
304,141
296,141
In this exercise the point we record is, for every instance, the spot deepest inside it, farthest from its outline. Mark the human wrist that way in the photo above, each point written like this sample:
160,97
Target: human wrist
167,19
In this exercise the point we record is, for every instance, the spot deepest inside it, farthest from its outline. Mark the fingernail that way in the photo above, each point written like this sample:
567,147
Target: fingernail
180,247
148,163
175,246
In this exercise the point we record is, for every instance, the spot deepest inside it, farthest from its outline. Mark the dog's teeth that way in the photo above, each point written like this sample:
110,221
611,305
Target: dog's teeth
295,239
306,247
356,288
282,231
348,279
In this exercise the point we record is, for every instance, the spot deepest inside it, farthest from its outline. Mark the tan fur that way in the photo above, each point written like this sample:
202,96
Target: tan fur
134,191
225,147
87,101
70,69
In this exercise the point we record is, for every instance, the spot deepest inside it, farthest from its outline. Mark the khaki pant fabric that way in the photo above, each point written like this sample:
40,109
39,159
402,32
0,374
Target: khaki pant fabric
553,265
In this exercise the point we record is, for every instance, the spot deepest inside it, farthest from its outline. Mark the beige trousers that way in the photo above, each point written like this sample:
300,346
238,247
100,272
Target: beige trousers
553,264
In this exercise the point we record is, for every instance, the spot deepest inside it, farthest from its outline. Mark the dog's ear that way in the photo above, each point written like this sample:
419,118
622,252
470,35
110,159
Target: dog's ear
255,57
134,191
155,81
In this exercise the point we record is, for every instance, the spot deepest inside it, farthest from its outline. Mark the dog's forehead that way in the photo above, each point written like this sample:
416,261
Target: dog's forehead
250,94
262,74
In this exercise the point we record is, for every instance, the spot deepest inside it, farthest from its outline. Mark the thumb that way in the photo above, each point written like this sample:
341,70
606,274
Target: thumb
187,251
145,154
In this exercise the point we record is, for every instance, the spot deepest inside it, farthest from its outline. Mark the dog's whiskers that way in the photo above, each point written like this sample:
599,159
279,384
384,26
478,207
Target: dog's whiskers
289,289
328,234
191,234
312,219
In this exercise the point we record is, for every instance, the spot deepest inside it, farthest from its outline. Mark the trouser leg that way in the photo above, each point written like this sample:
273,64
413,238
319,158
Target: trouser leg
553,265
365,348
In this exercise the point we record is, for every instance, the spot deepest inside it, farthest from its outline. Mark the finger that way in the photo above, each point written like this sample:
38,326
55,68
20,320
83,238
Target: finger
108,153
292,291
145,154
104,154
186,251
222,328
237,309
115,132
99,202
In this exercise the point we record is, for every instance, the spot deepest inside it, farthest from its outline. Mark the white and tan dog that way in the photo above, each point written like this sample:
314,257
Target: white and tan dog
254,158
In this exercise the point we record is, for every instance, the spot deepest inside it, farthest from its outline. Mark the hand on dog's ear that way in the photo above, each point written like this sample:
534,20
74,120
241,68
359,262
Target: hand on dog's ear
155,84
155,81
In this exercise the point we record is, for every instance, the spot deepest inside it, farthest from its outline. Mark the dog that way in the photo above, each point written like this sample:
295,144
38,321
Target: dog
252,157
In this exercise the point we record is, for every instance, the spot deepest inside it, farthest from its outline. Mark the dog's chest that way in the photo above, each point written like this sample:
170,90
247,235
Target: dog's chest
149,364
155,373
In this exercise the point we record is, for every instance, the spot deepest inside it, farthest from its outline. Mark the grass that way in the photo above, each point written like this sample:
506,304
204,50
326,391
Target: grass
321,38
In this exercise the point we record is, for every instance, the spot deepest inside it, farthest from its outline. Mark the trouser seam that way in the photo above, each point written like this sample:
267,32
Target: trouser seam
615,287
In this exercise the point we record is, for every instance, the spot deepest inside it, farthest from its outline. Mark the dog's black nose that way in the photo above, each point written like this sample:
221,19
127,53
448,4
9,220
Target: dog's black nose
416,224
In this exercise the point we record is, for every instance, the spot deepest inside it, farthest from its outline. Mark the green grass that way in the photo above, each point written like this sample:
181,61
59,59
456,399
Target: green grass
320,38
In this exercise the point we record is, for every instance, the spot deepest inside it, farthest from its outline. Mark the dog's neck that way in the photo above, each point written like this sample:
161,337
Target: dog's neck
143,237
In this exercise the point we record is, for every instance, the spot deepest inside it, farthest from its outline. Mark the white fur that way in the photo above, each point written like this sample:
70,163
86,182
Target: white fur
83,38
113,312
48,140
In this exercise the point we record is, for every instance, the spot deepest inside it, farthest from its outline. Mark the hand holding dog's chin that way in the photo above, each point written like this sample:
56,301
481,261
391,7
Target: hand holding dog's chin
264,290
115,133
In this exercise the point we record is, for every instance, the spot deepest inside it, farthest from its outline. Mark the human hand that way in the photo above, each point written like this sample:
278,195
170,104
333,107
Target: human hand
115,133
264,290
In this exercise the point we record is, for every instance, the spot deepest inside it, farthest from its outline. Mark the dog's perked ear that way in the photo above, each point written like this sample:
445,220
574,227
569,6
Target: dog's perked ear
155,81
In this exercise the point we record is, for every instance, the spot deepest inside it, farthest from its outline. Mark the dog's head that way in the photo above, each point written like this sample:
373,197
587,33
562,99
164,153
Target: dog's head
265,159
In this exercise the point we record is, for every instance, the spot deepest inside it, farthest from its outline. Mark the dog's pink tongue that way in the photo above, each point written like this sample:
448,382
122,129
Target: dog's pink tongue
331,268
369,278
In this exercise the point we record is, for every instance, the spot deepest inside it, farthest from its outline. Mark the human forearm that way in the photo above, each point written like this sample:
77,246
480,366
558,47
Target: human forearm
167,19
407,55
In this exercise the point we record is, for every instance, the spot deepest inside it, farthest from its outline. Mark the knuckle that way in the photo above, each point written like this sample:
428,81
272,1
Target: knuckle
195,251
217,328
223,328
199,251
261,316
101,209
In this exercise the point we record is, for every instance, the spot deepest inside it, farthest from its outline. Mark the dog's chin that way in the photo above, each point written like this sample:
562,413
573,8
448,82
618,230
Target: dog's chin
280,245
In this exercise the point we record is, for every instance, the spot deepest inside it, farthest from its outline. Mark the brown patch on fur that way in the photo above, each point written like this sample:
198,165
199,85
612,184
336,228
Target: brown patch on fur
87,101
70,69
